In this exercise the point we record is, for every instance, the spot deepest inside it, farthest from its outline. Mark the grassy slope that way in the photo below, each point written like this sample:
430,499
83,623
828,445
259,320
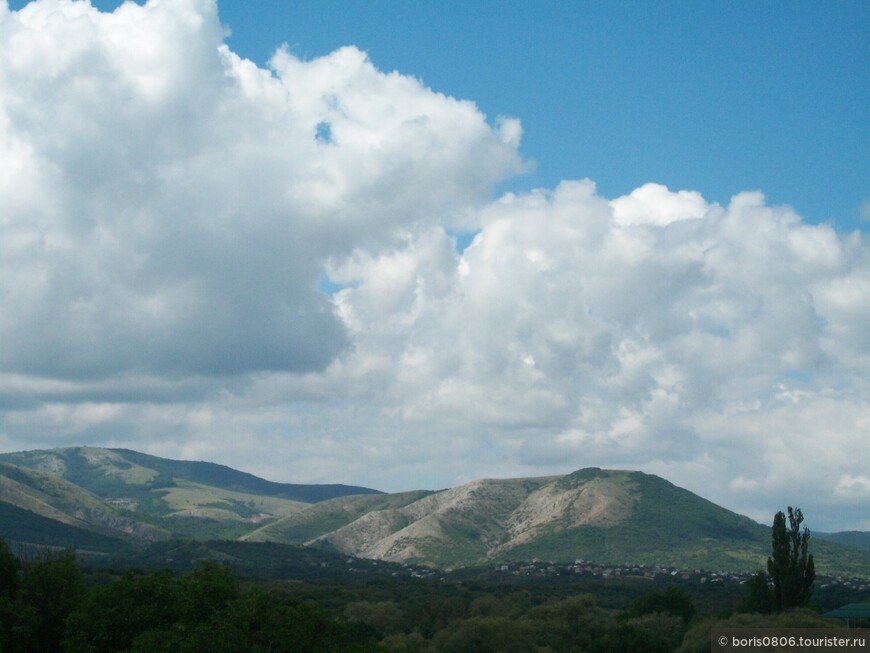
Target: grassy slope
856,539
41,509
665,525
47,495
671,526
668,526
231,479
105,471
113,483
42,494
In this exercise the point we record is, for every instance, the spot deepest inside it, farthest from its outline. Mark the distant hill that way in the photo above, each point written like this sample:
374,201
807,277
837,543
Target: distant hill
100,470
610,517
137,497
856,539
108,499
43,508
232,479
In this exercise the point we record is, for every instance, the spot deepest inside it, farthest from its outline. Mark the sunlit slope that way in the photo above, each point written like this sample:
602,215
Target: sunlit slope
651,521
606,516
182,498
55,496
321,519
227,478
40,508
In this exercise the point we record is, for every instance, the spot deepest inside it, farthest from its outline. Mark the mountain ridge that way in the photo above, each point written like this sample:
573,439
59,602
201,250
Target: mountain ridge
605,515
136,497
609,516
207,472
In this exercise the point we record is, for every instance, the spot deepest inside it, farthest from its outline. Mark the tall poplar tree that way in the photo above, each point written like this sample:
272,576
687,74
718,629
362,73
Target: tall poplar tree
791,567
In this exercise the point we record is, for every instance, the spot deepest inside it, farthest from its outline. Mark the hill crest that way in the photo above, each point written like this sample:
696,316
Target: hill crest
136,497
607,516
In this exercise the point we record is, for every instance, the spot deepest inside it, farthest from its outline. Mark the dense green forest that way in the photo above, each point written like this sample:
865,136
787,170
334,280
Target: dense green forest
50,601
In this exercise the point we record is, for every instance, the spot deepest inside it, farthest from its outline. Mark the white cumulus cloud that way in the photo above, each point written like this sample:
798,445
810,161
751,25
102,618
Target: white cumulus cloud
712,342
170,211
168,206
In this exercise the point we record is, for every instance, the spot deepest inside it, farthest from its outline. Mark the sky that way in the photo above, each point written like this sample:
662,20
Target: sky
408,245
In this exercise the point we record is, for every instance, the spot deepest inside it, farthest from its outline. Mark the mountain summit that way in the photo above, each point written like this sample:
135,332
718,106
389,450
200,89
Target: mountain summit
101,499
605,515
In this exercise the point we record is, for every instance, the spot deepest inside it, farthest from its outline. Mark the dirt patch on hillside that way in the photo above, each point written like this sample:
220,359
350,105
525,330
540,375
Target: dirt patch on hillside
599,502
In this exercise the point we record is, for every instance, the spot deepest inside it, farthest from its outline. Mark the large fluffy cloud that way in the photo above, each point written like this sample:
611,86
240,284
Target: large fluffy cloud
170,213
168,206
724,346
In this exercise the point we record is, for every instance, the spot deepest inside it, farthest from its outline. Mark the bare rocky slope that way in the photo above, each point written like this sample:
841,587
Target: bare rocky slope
612,517
100,499
593,513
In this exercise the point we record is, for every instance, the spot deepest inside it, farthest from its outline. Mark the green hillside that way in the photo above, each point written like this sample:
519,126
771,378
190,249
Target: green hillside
54,498
231,479
611,517
667,526
107,472
85,494
148,497
856,539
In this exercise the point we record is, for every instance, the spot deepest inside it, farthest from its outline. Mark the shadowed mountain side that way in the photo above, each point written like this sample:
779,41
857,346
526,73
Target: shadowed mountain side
25,528
856,539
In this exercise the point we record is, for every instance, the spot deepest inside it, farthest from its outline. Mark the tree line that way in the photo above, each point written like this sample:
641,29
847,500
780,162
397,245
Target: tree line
46,607
51,604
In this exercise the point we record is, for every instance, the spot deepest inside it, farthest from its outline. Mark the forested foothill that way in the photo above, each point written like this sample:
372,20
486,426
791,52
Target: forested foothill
236,597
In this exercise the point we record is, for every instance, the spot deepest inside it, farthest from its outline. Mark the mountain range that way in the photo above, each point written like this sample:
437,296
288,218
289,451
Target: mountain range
103,500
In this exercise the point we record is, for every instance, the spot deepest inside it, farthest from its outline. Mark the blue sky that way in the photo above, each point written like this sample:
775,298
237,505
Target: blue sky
716,97
210,253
